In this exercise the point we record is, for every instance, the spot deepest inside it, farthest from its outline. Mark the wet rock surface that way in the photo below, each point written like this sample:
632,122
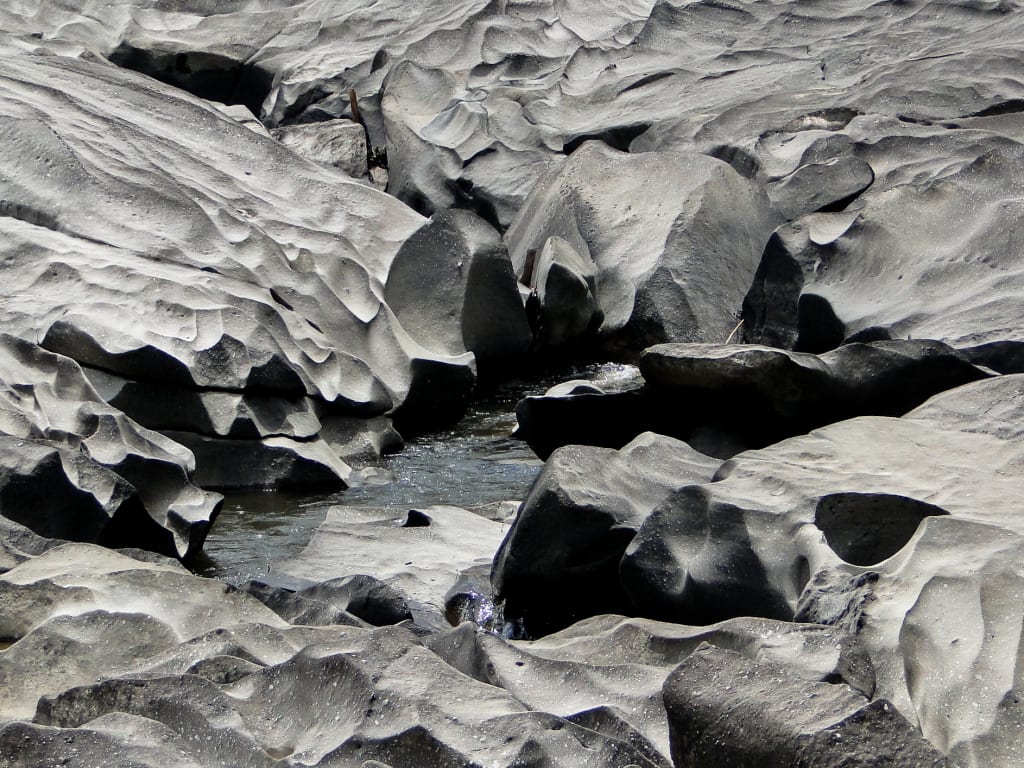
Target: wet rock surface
259,244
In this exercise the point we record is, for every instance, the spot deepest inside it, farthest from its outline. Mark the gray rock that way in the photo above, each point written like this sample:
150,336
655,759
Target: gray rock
868,274
549,579
340,144
461,263
675,238
565,285
274,462
897,530
817,186
73,467
727,711
419,554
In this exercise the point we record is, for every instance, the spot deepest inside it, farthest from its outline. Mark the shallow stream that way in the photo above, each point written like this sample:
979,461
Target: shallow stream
475,464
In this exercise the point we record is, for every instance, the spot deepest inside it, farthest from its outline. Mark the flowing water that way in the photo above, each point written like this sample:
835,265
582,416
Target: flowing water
475,464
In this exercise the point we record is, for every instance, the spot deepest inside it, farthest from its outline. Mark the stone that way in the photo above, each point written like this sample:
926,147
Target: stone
683,279
273,462
73,467
725,710
462,264
548,579
883,266
565,285
340,144
418,554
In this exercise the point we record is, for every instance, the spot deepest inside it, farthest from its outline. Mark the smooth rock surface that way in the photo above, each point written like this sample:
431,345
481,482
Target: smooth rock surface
549,580
674,237
420,553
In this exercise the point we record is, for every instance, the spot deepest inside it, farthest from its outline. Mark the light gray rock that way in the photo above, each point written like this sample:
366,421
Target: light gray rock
420,553
581,672
675,238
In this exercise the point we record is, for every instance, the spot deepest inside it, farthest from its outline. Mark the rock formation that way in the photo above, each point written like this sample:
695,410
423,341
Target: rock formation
257,244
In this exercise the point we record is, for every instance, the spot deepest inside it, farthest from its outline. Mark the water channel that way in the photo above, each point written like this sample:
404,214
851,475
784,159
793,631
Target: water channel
475,464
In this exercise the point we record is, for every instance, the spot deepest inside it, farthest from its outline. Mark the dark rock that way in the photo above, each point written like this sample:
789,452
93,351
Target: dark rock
460,262
274,462
549,579
727,711
73,467
799,391
565,286
367,597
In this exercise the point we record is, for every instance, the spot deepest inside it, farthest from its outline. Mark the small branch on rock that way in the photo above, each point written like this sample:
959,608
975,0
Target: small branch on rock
734,330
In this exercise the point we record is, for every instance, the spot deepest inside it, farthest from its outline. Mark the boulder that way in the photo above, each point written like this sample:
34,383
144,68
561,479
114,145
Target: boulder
579,672
902,262
675,238
725,710
340,144
901,531
460,262
564,284
600,497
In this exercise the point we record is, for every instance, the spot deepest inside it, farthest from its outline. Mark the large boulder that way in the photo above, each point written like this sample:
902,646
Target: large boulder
675,239
247,294
901,262
461,264
600,498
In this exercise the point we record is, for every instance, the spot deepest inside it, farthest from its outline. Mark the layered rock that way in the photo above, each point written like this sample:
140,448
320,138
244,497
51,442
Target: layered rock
73,467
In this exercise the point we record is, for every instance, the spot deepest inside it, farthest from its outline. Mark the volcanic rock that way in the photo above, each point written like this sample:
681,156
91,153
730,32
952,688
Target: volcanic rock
675,238
337,143
419,554
550,579
73,467
727,711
